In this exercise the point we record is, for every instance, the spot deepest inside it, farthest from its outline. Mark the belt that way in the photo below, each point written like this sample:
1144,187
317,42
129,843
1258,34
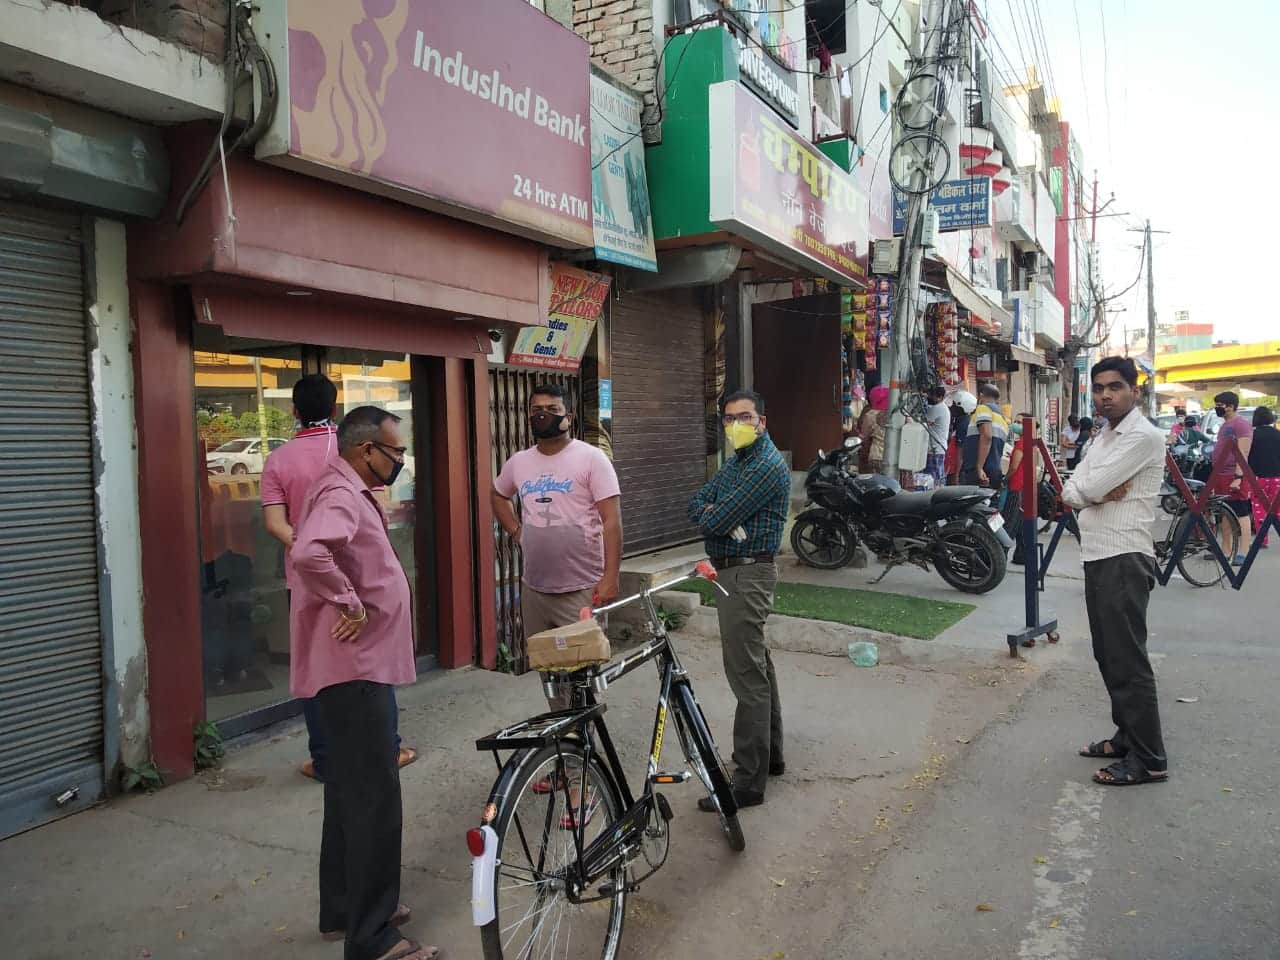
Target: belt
723,563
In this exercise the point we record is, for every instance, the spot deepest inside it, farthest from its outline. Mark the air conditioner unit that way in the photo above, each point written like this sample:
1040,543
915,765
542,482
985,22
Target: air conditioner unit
884,257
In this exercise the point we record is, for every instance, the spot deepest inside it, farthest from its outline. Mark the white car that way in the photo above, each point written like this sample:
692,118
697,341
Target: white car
241,456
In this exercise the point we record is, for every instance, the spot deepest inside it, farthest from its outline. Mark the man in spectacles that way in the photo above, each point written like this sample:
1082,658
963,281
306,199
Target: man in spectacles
741,512
351,644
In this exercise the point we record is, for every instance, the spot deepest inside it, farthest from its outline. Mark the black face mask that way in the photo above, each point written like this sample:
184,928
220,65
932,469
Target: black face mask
546,425
1220,411
396,467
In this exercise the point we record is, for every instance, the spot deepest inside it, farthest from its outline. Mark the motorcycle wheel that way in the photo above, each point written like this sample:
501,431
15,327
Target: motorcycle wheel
821,542
972,559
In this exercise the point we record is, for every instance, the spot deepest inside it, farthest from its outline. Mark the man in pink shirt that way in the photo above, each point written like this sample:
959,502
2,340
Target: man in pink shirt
287,476
351,643
570,524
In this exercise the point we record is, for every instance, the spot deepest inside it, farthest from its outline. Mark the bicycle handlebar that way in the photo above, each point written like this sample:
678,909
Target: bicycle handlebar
704,571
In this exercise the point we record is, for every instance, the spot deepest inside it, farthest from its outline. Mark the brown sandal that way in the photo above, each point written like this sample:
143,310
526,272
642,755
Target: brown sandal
398,919
411,950
407,756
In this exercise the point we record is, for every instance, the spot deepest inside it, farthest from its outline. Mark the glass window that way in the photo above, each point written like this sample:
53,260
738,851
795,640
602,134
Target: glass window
243,397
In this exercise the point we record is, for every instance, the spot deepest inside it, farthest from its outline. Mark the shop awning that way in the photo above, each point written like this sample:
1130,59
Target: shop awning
1023,355
984,314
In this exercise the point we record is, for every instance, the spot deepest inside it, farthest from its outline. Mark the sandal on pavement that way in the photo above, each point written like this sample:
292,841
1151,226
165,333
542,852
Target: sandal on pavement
569,820
407,756
308,770
399,918
1104,750
1124,774
544,785
411,950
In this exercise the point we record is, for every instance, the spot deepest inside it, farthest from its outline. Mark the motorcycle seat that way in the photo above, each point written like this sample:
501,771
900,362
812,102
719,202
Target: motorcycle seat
936,502
948,494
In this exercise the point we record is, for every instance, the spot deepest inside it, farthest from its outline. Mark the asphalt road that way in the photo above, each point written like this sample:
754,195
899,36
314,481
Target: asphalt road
1022,856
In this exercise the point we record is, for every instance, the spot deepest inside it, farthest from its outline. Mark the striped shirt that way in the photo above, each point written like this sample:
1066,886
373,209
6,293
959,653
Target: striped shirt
753,491
986,413
1131,451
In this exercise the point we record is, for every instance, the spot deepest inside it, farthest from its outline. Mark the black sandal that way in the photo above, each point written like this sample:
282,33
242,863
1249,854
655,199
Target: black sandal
1099,751
1123,774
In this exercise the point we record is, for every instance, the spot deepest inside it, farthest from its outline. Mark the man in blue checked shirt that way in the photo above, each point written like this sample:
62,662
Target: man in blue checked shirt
741,512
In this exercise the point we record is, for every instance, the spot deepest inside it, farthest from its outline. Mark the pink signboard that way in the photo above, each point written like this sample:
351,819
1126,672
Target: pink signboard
480,109
777,189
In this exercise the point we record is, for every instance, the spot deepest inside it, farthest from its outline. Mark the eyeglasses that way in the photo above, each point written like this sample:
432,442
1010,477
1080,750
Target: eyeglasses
394,453
747,418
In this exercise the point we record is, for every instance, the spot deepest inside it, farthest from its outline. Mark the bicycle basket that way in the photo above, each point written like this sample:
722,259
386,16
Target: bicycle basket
569,648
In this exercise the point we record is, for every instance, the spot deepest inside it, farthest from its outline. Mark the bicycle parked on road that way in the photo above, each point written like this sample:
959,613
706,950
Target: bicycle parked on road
563,841
1197,562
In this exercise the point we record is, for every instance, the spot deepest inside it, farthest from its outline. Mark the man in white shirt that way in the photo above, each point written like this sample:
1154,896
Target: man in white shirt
937,421
1115,490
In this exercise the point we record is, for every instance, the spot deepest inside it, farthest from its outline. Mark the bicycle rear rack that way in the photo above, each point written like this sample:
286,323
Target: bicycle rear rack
540,731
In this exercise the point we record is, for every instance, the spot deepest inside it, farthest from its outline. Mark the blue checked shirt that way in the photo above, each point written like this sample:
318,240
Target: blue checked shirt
752,491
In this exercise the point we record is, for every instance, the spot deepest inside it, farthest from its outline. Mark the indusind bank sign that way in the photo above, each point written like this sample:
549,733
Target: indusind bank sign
478,109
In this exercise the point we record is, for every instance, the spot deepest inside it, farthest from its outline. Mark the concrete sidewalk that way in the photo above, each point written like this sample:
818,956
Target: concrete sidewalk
225,865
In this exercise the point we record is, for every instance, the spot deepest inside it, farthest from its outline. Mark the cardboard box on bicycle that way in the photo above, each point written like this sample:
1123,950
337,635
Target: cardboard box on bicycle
568,648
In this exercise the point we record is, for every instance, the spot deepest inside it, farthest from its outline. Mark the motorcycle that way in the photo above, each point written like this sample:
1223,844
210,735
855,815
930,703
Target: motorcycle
954,529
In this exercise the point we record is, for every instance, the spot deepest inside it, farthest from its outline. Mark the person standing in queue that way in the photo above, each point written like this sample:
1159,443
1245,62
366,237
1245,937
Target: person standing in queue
351,644
287,476
741,512
984,442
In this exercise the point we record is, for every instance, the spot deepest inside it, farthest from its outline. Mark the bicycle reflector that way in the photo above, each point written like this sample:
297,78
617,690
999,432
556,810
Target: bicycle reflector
706,570
475,841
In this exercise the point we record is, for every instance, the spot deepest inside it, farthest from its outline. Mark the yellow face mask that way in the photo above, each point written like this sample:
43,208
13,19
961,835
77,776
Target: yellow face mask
741,435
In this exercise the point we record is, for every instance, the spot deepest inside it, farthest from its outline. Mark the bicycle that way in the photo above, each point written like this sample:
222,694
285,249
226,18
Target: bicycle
529,897
1197,554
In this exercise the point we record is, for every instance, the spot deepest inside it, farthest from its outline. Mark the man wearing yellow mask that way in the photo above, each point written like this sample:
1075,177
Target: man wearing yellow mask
741,512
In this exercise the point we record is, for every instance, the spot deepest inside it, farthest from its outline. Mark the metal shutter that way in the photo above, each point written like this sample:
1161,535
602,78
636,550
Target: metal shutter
51,686
658,430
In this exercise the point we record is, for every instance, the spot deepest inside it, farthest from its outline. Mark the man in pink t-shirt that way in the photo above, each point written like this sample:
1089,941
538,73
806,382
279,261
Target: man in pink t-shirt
570,524
287,476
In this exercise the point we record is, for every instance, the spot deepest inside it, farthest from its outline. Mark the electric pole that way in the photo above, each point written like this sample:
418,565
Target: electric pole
1151,313
916,115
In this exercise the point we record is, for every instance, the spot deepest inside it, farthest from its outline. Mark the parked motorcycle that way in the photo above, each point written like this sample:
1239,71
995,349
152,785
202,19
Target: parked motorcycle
956,529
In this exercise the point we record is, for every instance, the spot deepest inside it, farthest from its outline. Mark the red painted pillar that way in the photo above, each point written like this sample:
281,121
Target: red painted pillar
455,518
164,398
486,586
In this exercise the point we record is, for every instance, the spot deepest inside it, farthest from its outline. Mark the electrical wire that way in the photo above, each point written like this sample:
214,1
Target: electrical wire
1084,80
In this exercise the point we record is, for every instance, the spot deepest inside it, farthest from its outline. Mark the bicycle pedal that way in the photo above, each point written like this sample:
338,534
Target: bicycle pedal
680,777
664,808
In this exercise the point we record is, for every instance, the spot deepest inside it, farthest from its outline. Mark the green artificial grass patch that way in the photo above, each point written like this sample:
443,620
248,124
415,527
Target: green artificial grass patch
885,612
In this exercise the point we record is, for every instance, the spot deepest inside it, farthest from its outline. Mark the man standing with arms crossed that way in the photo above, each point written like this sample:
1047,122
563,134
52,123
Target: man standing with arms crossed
741,512
570,524
287,476
352,644
1115,489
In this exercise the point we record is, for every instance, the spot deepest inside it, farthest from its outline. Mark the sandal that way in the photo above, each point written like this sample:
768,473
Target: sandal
407,756
411,950
1123,774
399,918
544,785
569,820
308,770
1104,750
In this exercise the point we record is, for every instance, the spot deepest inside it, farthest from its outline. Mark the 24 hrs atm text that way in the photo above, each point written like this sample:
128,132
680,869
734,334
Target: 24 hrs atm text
551,199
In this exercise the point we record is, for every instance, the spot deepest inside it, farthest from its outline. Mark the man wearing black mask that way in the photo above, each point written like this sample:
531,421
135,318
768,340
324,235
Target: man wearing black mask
570,523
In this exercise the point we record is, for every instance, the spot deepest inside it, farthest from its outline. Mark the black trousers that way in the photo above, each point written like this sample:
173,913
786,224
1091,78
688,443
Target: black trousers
360,848
1116,592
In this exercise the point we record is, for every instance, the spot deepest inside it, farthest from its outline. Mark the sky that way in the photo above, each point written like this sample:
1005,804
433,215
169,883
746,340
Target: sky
1179,116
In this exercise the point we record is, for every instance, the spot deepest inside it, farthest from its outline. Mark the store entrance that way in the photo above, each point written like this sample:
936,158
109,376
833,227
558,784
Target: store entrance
244,413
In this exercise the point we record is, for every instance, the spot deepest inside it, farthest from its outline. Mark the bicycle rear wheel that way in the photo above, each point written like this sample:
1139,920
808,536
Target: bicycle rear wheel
1197,562
700,750
534,917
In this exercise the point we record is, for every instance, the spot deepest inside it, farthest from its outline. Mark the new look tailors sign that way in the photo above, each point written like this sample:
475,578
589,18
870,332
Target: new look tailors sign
960,205
424,101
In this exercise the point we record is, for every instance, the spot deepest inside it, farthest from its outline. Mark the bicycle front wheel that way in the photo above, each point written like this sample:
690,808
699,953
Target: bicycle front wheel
700,750
536,853
1197,563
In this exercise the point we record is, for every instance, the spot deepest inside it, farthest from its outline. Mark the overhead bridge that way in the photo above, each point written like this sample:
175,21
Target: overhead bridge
1255,366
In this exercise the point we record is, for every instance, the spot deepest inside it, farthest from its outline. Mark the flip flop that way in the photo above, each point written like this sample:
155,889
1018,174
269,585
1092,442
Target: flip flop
402,916
1122,774
1098,751
407,756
